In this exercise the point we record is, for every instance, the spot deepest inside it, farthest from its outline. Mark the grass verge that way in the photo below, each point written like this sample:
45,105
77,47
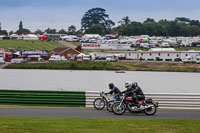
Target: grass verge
76,43
64,65
29,44
130,66
59,125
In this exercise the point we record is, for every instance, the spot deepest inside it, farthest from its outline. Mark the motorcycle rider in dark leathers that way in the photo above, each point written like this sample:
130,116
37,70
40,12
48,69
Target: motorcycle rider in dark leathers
114,91
134,91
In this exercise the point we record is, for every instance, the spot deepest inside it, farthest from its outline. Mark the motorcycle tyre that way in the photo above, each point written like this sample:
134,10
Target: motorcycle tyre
154,106
101,100
109,106
115,110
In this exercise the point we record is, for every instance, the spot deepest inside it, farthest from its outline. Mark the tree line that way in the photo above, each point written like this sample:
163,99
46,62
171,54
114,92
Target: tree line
178,27
96,21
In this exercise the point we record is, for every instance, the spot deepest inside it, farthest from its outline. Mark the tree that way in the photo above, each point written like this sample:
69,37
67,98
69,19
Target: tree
62,31
127,30
182,19
3,32
150,28
79,32
11,32
95,29
38,31
96,16
195,22
20,25
72,30
195,30
125,21
180,26
21,30
149,20
50,31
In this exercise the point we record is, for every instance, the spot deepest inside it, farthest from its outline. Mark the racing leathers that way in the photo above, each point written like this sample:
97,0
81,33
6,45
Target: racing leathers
136,93
116,92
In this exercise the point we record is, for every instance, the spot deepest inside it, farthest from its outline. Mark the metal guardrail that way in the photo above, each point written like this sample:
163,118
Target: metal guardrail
82,99
47,98
166,100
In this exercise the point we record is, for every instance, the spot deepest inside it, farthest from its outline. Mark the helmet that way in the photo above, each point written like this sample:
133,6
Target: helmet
135,84
127,84
111,85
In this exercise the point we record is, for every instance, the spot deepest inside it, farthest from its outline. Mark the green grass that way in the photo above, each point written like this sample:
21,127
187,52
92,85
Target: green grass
187,48
60,125
64,65
76,43
130,66
29,45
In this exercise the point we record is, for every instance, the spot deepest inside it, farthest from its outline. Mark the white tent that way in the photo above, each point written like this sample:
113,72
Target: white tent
30,37
1,37
91,36
17,53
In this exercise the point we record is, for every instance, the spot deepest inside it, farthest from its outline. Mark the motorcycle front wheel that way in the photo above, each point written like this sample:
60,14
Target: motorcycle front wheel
109,106
99,103
118,109
151,110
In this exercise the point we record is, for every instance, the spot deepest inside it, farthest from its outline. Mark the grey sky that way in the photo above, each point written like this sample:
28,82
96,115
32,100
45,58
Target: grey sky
60,14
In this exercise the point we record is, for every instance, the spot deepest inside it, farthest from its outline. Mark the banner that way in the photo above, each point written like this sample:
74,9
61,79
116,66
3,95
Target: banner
96,46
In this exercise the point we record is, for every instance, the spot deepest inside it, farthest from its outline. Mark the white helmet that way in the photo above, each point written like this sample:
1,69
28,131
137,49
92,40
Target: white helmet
128,84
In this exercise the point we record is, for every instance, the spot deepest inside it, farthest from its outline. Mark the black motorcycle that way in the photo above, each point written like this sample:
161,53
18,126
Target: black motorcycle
148,106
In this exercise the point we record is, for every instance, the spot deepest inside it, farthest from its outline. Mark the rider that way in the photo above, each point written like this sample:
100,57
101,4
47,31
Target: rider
134,91
114,90
138,93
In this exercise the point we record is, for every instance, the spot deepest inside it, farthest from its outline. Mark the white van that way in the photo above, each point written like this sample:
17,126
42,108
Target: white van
55,58
188,59
198,59
2,61
17,60
111,58
86,58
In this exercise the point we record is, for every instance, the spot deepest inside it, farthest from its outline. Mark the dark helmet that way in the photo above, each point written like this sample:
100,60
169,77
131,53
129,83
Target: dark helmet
111,85
135,84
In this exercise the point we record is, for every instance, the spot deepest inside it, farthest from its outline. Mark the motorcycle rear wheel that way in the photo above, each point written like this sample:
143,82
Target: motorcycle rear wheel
99,103
117,109
152,110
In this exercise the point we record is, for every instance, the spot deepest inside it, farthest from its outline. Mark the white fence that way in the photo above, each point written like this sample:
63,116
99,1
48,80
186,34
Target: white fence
166,100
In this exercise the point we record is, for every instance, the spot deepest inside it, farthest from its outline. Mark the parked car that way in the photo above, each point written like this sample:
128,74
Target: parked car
55,58
2,61
18,61
111,58
73,58
92,40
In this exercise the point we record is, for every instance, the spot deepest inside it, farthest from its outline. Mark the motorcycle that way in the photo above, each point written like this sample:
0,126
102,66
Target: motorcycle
148,106
100,103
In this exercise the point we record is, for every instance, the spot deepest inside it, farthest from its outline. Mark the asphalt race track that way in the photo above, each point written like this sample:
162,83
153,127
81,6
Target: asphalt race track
93,113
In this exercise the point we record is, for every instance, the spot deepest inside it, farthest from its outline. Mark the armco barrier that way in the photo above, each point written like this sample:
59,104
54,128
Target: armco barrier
166,100
82,99
57,98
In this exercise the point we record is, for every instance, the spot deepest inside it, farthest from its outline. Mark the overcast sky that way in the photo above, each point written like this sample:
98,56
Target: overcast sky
60,14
